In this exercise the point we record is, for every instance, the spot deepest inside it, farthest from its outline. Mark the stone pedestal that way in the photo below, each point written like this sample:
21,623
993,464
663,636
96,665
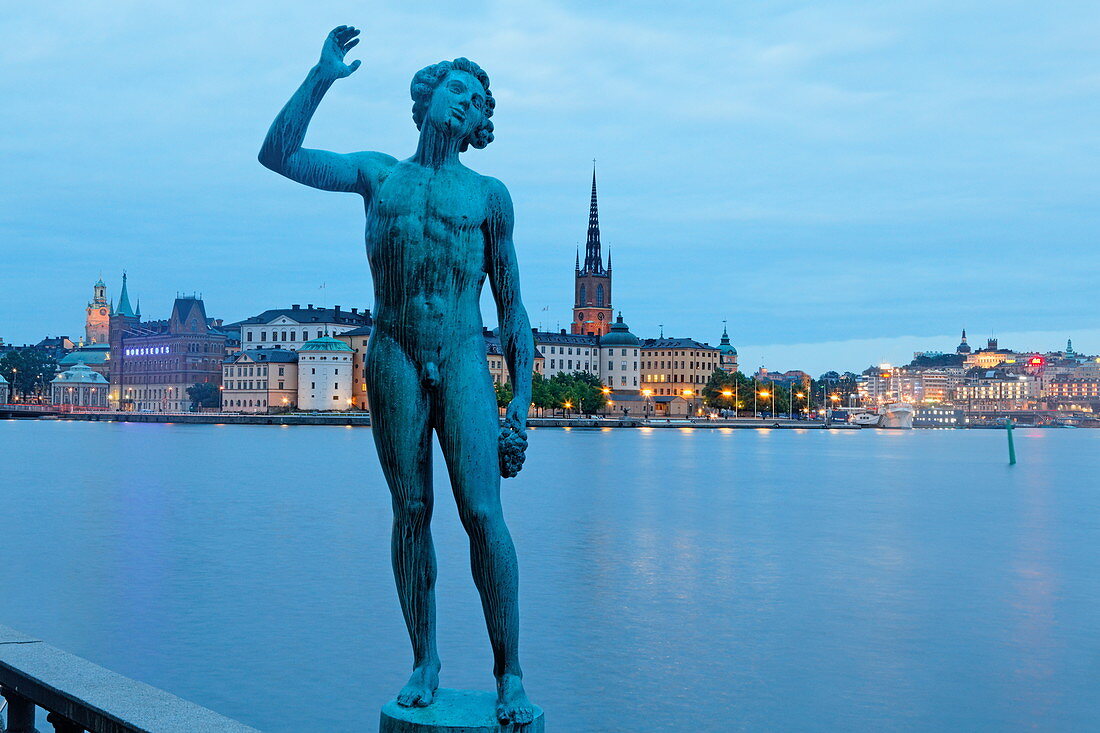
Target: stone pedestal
454,711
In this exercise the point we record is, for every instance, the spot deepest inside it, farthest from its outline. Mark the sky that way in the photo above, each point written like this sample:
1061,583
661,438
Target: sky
844,182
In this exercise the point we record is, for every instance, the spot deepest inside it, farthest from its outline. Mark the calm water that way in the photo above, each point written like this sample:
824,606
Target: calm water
672,580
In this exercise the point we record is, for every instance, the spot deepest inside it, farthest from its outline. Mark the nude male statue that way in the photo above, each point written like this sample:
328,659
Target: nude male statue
435,230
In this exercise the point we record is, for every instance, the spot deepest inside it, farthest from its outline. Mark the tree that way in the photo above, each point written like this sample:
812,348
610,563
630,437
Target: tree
504,393
582,390
542,394
29,371
204,394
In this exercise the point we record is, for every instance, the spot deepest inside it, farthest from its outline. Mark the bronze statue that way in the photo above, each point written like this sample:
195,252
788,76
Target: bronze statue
435,230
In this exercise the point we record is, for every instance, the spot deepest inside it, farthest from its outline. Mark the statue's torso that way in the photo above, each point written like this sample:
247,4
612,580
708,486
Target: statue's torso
427,253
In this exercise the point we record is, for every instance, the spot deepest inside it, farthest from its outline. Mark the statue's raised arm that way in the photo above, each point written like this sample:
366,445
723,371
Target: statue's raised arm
282,150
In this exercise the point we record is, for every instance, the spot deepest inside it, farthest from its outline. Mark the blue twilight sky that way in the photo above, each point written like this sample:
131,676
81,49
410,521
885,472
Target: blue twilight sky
844,181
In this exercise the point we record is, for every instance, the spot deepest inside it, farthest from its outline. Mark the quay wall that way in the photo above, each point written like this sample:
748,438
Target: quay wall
363,420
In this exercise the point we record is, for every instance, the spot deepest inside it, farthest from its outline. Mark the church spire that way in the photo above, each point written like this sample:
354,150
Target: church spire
124,307
593,260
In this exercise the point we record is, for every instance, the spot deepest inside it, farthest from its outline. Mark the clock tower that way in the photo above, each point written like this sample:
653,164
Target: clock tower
97,325
592,287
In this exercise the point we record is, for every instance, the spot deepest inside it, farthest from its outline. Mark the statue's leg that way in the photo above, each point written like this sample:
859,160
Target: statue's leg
402,435
469,429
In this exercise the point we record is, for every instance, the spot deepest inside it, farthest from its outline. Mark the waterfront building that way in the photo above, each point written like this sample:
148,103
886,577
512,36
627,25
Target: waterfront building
620,359
97,322
357,339
567,352
154,362
916,384
992,356
997,389
289,328
324,375
727,354
1073,394
55,346
498,365
96,356
938,417
592,311
260,380
651,406
677,367
80,387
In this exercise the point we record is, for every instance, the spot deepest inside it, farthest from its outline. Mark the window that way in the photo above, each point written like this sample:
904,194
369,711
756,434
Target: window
281,371
263,335
599,295
610,366
335,371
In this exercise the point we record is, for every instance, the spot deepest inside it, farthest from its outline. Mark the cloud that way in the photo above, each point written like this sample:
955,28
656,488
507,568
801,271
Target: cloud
811,172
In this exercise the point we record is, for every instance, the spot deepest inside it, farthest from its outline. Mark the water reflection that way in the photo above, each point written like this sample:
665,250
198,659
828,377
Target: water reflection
685,579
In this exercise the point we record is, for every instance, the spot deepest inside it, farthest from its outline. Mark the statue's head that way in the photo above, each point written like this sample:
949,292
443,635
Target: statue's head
454,97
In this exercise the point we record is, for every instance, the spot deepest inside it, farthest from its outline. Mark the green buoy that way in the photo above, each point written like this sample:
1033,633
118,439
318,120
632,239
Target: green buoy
1011,445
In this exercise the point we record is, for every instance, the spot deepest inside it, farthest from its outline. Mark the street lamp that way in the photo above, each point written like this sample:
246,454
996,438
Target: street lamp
607,407
646,395
728,394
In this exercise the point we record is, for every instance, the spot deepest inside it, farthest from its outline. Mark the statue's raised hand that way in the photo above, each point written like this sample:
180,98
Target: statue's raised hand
341,40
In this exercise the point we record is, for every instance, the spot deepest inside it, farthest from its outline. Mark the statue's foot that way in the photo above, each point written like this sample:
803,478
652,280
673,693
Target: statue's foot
512,703
419,691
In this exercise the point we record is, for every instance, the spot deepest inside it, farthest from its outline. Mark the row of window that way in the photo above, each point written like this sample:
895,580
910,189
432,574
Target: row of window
246,403
676,378
252,384
291,336
709,366
250,371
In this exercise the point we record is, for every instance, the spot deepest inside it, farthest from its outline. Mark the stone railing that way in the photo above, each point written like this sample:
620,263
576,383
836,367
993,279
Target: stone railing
80,696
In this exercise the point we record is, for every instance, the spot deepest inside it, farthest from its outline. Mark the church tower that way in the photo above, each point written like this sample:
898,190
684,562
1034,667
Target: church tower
592,288
97,323
123,318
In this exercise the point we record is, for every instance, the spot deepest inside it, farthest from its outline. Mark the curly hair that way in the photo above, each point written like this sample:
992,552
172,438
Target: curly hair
427,79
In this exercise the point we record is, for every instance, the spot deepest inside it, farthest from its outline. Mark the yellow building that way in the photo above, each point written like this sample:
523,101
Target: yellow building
260,381
677,367
357,339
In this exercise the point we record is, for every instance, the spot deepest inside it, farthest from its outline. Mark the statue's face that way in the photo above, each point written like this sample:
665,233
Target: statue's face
458,105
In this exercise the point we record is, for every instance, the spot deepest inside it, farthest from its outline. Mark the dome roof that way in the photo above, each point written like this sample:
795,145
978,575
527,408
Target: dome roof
79,374
3,380
724,346
325,343
619,335
90,354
